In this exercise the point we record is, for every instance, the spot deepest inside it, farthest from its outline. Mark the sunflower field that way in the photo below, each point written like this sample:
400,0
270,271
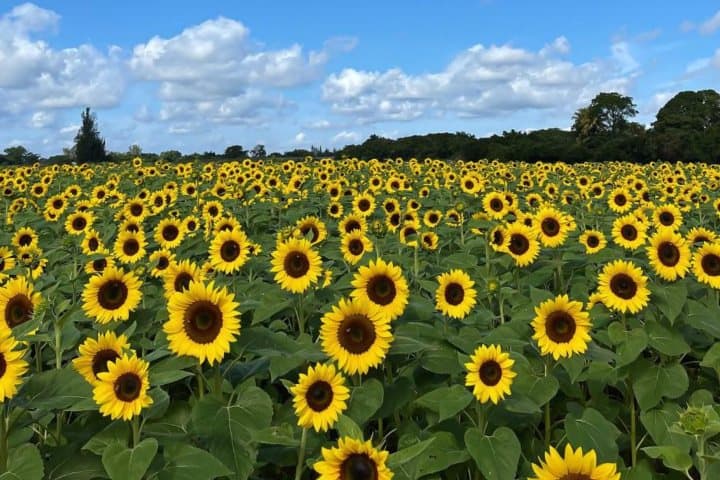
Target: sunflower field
343,319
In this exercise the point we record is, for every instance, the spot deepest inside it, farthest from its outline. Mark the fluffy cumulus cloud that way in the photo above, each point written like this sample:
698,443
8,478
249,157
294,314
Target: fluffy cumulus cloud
479,81
36,76
710,25
215,71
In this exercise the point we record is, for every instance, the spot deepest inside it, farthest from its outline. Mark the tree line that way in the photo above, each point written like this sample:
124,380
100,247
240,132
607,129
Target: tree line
686,128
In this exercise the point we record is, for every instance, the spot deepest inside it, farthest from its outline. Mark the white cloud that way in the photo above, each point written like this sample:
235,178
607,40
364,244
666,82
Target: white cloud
346,137
687,26
710,25
69,129
36,76
319,124
480,81
42,119
300,137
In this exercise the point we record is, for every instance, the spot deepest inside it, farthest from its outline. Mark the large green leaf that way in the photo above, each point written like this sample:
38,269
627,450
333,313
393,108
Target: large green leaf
446,401
496,456
669,298
672,457
123,463
593,431
398,459
365,400
655,382
24,463
666,341
56,389
185,462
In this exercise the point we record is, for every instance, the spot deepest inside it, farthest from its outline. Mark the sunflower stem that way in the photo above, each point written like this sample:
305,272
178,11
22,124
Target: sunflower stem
633,424
416,265
548,424
58,348
502,309
38,357
218,381
135,424
200,382
3,440
301,455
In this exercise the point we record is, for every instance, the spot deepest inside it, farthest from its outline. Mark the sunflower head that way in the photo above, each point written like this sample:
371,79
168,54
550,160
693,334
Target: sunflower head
561,327
112,295
706,264
623,287
320,397
229,251
96,354
122,391
383,285
296,265
12,365
490,373
18,301
575,465
353,460
455,296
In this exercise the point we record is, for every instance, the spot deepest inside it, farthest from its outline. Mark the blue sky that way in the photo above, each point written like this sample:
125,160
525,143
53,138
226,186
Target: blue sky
198,76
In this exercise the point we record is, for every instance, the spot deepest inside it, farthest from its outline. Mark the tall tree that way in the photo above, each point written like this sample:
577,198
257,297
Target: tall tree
89,147
235,151
258,151
608,113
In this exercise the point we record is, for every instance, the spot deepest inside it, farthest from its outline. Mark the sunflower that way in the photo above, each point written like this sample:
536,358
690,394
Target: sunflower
698,235
160,261
669,254
99,264
552,226
313,227
429,240
494,205
619,200
203,322
7,262
561,327
122,391
13,365
92,243
112,295
229,251
96,354
169,233
623,287
353,222
130,247
335,209
628,232
409,234
25,237
706,264
364,204
432,218
212,209
320,397
178,276
575,466
497,238
353,460
455,296
521,244
668,216
79,222
382,284
593,240
136,209
18,301
191,223
355,335
354,245
490,373
296,265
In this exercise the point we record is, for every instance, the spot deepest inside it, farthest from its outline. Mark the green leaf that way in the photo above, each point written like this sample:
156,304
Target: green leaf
24,463
56,389
365,400
672,457
666,341
703,318
346,427
669,298
446,401
185,462
445,453
282,435
655,382
593,431
72,465
712,359
117,432
171,370
496,456
123,463
408,454
657,422
539,389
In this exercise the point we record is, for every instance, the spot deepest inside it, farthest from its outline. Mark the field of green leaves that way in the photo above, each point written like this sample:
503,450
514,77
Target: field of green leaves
349,319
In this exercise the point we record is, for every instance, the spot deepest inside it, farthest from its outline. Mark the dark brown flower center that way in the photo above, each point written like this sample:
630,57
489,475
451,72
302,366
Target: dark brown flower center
203,321
356,333
498,238
191,225
389,207
668,254
319,396
182,281
310,228
296,264
381,289
213,211
358,466
163,263
127,387
136,209
3,365
25,240
364,205
19,309
623,285
575,476
102,358
490,373
132,227
229,251
433,218
593,241
99,264
496,204
79,223
550,227
629,232
131,247
667,218
57,204
112,294
620,200
519,244
560,326
352,225
454,294
710,264
395,219
170,232
93,244
356,246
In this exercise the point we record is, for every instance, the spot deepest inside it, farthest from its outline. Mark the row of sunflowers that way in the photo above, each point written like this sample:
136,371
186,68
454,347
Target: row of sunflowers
350,319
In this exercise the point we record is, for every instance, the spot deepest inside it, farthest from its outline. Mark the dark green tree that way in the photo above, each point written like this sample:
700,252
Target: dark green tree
608,113
89,147
171,155
235,152
258,151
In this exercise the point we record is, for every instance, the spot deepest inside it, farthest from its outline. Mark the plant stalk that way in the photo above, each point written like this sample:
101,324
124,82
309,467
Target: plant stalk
301,455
